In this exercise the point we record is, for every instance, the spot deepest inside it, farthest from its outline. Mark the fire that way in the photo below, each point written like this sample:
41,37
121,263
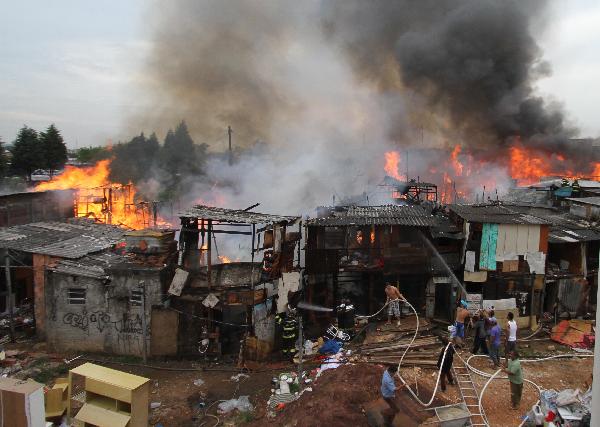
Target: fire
596,171
224,259
99,199
392,164
456,164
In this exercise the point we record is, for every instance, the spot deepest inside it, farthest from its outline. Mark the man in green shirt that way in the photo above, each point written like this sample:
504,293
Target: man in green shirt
515,376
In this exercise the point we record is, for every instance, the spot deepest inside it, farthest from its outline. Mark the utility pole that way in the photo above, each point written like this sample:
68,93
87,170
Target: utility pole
229,132
11,317
142,286
596,382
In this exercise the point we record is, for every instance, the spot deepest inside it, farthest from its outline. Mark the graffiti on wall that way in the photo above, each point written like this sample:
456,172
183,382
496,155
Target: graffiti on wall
102,320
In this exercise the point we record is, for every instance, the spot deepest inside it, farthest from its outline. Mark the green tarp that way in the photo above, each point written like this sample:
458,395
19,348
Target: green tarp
489,240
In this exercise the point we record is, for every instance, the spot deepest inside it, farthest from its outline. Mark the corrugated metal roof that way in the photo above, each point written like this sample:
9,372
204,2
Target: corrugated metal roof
409,215
65,240
558,235
595,201
88,266
234,215
494,214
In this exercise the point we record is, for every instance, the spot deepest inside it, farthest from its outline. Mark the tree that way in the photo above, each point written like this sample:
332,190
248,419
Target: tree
135,160
179,153
3,161
92,154
27,153
54,148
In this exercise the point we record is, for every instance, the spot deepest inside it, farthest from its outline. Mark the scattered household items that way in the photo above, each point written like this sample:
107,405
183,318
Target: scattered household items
565,408
21,403
574,333
242,404
456,415
108,397
56,400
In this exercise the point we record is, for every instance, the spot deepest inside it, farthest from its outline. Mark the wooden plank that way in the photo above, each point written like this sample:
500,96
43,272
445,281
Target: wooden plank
164,329
101,417
544,231
533,239
510,239
501,242
522,239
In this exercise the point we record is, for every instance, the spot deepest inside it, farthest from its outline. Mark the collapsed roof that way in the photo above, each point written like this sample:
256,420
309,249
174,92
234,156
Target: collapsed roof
235,216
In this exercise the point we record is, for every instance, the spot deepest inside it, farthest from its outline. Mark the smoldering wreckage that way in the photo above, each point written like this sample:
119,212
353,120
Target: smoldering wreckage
308,300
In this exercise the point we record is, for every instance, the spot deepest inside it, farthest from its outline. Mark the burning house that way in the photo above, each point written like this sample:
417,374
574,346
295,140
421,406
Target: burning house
352,251
25,208
222,302
504,258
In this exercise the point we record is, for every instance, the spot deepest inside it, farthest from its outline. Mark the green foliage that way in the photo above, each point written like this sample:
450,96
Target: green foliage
92,154
27,153
134,161
3,161
179,155
54,149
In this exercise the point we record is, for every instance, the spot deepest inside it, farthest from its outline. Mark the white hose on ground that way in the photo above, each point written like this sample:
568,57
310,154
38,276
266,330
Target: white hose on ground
404,354
380,310
480,399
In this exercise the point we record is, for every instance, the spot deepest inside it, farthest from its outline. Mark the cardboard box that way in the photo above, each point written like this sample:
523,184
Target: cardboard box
22,403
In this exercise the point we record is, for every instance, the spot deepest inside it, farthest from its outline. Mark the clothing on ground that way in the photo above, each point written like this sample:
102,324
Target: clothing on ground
516,374
388,386
330,347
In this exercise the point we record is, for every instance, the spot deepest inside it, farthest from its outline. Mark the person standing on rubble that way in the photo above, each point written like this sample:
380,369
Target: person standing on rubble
393,300
447,366
289,335
461,314
495,334
480,335
511,334
515,376
388,388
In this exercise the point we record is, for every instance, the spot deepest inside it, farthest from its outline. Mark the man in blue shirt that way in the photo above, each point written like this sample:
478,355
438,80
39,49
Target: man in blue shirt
388,388
495,333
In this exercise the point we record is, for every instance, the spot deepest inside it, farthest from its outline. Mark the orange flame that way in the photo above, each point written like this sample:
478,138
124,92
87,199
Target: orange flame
224,259
392,164
456,164
99,199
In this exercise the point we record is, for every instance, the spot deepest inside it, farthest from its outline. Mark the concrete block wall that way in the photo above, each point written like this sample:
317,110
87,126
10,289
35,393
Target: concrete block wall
108,321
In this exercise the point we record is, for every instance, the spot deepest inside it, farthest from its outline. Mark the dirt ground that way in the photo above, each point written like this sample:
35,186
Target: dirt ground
340,397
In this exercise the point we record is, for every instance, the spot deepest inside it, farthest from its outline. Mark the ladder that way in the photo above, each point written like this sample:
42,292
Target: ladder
469,394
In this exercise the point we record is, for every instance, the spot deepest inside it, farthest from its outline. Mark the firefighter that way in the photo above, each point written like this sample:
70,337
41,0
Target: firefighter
576,187
289,325
564,182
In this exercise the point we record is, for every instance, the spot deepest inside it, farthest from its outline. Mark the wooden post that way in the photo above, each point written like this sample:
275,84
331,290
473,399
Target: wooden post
142,286
11,319
208,255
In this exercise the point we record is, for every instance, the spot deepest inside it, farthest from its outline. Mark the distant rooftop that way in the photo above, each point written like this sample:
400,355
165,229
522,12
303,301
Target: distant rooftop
494,214
408,215
595,201
234,215
61,239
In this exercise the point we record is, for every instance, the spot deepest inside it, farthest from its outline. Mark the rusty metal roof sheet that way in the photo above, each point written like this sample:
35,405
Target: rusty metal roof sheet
563,235
495,214
595,201
92,266
61,239
234,215
409,215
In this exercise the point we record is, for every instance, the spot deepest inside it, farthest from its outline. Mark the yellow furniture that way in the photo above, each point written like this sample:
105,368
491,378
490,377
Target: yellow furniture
110,398
56,399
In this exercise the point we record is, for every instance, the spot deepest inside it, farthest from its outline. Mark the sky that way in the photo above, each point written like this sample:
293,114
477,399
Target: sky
78,64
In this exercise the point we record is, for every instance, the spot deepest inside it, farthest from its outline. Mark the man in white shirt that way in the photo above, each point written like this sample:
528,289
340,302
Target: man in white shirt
511,335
